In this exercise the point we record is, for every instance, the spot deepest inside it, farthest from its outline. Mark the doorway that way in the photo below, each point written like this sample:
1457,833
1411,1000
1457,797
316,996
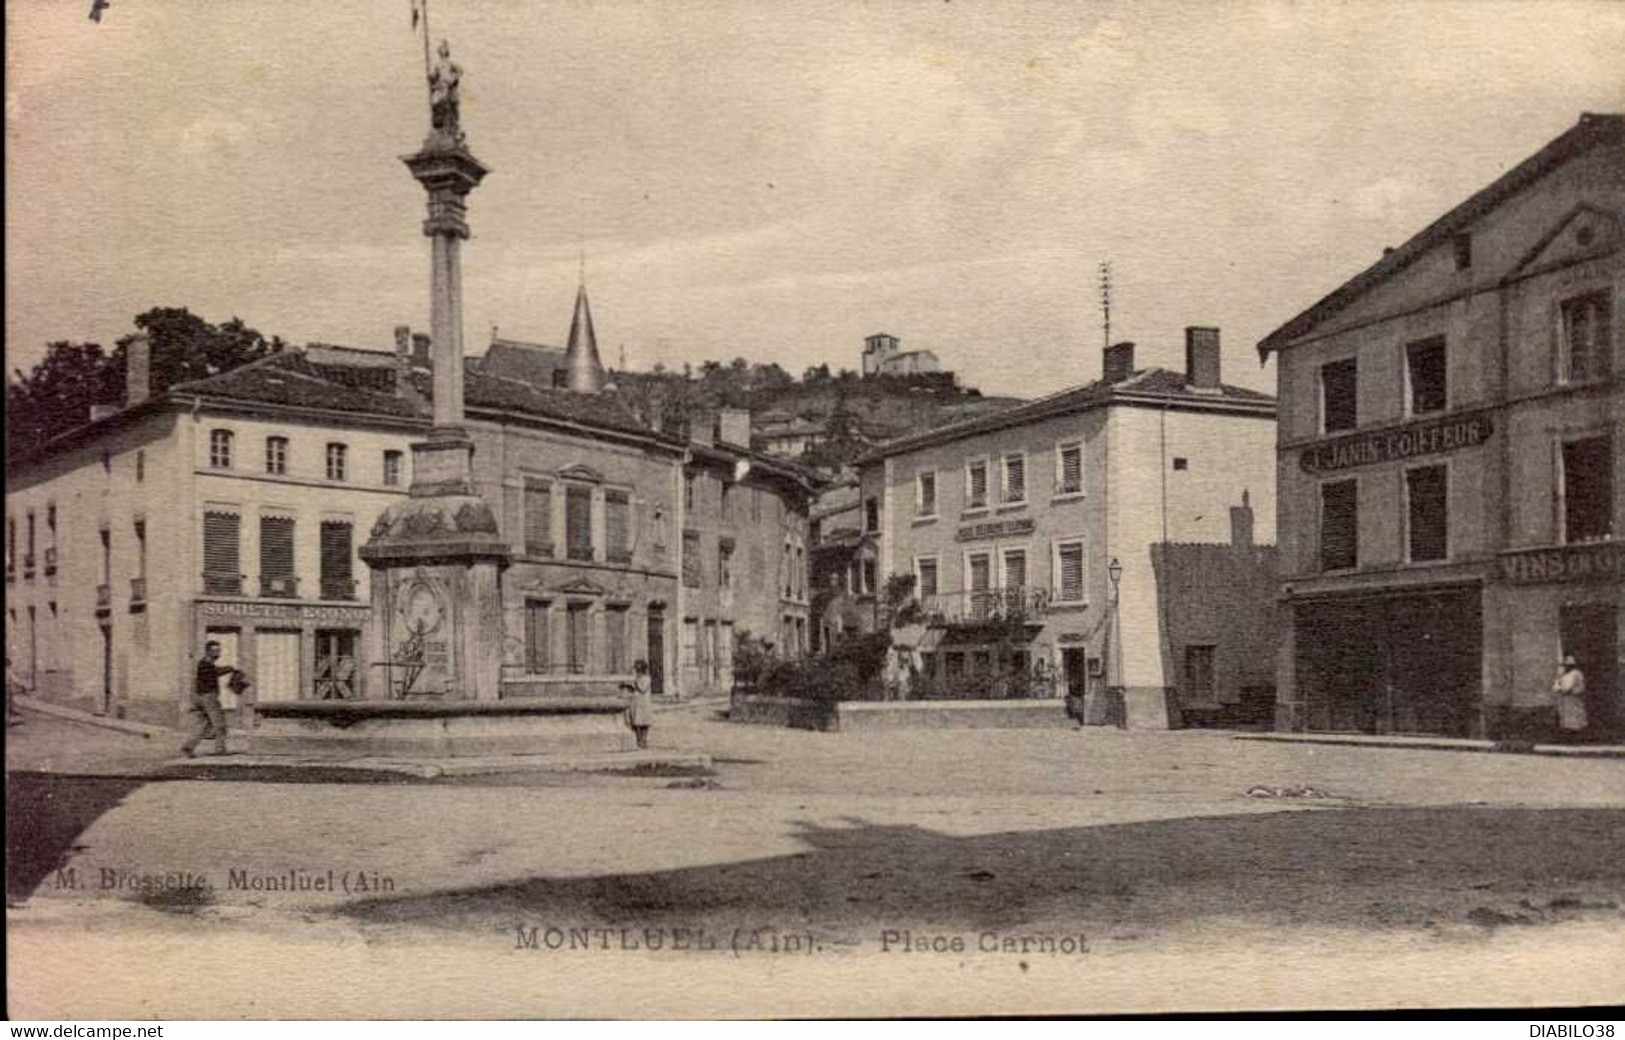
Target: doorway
276,659
657,652
1075,669
335,664
1590,632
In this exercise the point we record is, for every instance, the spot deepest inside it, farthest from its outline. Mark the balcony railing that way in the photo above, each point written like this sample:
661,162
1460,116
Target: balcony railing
222,583
580,552
104,597
28,565
279,586
620,556
50,561
138,590
1016,604
338,588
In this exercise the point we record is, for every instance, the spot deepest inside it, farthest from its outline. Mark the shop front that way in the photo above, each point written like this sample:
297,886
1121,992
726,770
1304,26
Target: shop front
291,651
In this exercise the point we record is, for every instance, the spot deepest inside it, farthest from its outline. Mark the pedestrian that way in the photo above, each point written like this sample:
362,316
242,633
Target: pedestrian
640,712
1570,691
208,721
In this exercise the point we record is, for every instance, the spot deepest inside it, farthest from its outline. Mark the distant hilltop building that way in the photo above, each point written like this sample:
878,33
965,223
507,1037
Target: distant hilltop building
882,357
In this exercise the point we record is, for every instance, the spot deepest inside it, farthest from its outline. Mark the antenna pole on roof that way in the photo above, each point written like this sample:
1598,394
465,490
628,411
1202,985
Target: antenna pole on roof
1106,300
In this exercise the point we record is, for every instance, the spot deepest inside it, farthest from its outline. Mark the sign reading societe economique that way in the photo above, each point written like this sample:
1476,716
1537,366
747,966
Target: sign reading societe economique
1433,437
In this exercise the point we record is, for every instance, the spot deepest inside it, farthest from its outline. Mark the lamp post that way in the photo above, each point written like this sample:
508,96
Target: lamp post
1114,661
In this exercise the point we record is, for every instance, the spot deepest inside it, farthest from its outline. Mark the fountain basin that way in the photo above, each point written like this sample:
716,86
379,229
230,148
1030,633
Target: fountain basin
440,729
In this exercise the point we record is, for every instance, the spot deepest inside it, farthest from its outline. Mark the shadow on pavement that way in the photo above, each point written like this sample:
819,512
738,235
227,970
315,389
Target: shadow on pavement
1340,868
45,814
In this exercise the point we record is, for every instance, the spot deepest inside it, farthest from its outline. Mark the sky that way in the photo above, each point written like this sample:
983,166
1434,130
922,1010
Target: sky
764,179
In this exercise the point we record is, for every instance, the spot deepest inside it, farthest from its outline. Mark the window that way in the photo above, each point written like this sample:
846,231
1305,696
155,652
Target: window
725,565
1585,337
537,651
727,502
925,493
337,553
1069,571
787,571
870,578
1427,512
693,564
107,556
578,522
538,506
1199,686
691,642
140,466
1069,469
1339,525
337,456
690,481
926,574
1181,464
871,514
392,468
276,556
1462,246
618,526
578,630
801,573
1339,382
1015,478
1588,490
1425,377
1015,568
976,485
28,557
980,567
276,455
220,449
11,544
615,639
141,549
222,563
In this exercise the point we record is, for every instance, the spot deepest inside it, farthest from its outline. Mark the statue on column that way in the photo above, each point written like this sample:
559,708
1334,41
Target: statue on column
443,100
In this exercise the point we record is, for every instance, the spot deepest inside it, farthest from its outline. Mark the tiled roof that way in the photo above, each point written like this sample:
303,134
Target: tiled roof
290,379
1159,383
1592,130
603,411
532,363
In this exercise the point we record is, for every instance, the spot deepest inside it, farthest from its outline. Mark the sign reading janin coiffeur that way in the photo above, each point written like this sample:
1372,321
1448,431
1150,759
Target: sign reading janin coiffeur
1406,442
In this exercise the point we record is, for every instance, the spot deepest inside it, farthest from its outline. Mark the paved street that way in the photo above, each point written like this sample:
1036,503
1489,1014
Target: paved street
1339,865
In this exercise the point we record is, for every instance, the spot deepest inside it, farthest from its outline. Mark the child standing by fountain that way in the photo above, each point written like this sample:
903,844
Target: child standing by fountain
640,713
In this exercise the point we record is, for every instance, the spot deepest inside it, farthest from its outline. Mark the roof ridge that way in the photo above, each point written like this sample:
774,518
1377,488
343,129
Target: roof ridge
248,366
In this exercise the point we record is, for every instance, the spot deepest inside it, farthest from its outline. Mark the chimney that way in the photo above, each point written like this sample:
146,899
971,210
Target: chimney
733,427
1202,357
403,343
1241,524
137,369
1119,362
421,343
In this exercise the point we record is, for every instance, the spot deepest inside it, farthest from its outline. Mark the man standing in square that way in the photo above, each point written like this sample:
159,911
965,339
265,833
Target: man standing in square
207,717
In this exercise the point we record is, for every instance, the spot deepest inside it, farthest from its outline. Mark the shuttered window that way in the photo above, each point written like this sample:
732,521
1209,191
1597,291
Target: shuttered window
976,486
1339,525
338,577
1339,383
1427,509
980,572
579,623
1069,471
1587,337
1069,572
928,578
222,561
578,522
1588,490
538,517
615,639
927,496
1015,568
618,526
1015,478
536,645
693,565
276,556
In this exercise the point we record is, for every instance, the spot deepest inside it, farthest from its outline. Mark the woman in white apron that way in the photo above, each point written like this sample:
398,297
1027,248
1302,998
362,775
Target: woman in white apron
1570,691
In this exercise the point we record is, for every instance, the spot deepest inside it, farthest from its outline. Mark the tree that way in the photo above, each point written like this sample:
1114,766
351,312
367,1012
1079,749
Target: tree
58,394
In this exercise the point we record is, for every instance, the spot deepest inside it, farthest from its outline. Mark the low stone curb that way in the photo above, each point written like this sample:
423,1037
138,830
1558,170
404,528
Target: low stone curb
426,769
1440,744
139,729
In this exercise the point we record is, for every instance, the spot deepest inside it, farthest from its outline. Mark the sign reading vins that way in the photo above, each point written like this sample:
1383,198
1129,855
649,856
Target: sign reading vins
1600,561
1434,437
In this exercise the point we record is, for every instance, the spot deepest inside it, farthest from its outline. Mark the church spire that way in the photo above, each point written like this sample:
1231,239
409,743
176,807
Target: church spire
586,371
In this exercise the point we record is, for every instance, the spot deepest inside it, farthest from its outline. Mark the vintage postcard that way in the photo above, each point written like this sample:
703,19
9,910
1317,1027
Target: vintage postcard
741,510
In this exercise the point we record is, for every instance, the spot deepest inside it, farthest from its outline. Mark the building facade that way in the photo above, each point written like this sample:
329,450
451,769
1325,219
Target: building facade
1017,517
883,356
1449,463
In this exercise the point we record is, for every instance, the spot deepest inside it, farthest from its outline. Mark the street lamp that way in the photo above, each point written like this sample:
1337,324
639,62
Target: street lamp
1115,699
1115,571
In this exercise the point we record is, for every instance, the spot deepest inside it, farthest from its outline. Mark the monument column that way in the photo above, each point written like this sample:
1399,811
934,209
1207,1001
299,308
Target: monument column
437,557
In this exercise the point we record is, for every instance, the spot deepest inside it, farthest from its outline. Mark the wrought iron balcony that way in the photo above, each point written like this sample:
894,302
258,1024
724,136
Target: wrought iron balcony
580,552
280,586
338,588
222,583
104,597
1016,604
138,590
28,565
50,560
